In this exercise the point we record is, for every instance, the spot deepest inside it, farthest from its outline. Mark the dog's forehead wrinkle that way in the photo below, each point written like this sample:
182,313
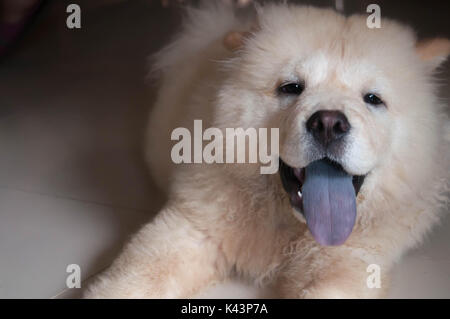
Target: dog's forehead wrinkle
328,96
315,68
352,60
321,68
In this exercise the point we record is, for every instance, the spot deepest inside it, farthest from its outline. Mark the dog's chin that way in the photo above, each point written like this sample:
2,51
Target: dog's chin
325,194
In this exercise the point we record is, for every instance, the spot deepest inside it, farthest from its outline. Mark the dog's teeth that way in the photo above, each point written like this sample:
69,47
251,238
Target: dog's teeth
299,193
297,172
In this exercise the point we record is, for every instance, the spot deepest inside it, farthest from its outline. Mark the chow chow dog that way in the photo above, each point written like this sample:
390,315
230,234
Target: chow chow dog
363,155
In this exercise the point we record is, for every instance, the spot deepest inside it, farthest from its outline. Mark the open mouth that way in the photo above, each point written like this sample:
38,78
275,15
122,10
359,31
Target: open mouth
326,195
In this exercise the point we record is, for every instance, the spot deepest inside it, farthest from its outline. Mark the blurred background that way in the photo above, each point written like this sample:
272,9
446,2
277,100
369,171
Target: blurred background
73,108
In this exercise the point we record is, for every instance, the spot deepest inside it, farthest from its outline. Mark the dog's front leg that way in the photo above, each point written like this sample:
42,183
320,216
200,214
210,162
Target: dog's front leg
334,273
168,258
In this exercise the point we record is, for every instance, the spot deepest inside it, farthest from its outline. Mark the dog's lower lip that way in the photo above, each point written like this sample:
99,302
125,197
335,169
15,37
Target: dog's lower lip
293,179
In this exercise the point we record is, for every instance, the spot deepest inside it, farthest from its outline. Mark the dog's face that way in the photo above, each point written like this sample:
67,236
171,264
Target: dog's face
347,100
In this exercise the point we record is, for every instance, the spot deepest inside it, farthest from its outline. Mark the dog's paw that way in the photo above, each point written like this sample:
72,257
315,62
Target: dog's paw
326,293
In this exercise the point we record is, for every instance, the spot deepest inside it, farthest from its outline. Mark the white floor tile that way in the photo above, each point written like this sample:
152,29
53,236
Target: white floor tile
41,235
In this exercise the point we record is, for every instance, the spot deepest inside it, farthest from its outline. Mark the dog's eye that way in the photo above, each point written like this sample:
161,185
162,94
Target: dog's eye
371,98
291,88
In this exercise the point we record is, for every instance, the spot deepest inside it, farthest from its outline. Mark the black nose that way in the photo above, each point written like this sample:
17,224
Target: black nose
328,126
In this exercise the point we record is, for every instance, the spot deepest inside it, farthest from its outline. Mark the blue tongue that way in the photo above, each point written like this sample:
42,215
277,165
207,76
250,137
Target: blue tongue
329,203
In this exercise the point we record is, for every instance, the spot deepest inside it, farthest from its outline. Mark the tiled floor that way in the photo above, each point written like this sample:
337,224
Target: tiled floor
73,184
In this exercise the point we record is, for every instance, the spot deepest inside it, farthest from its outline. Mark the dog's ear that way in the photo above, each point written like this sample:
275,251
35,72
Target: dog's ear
233,40
433,51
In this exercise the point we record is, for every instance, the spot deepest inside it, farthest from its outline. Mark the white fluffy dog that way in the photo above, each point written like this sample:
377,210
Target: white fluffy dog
363,152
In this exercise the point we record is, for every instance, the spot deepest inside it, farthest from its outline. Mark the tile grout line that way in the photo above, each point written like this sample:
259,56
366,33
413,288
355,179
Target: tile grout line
77,200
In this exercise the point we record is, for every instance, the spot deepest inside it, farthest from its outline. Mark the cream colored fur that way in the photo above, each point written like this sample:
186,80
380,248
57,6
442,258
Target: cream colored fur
228,219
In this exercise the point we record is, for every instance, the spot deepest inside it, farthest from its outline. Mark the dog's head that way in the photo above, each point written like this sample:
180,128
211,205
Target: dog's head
352,104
